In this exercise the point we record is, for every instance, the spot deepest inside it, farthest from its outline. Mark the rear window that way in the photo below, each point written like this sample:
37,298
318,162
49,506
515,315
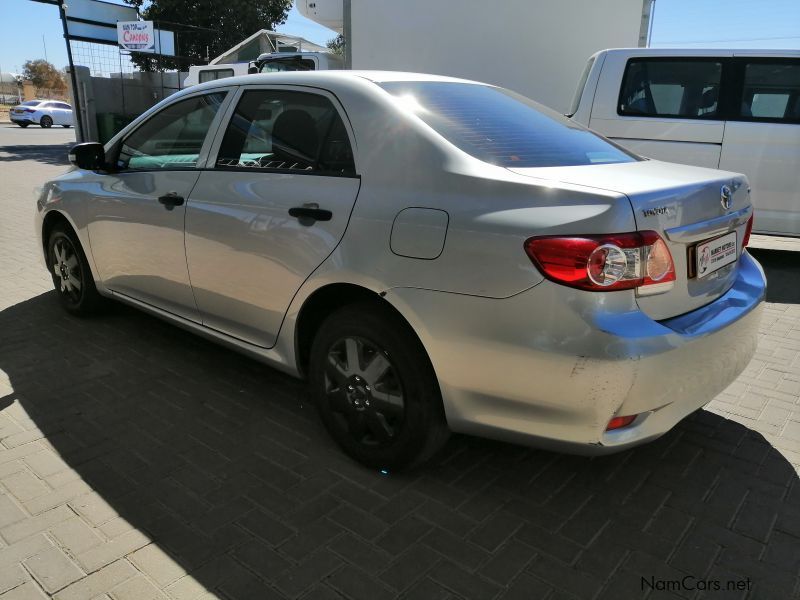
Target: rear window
500,127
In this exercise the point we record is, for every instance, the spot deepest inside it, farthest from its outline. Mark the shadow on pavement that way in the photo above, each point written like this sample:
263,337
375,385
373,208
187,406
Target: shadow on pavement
783,274
222,463
49,154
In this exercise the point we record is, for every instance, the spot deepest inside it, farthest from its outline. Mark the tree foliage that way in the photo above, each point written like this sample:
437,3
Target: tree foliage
45,77
336,45
206,28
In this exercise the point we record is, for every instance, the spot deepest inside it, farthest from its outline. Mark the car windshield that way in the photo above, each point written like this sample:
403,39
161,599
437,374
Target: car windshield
500,127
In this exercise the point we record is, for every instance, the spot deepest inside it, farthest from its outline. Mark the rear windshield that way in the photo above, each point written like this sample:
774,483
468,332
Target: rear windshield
32,103
503,128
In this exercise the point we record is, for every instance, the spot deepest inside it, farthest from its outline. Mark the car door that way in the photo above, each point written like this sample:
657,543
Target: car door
271,210
137,212
665,108
762,140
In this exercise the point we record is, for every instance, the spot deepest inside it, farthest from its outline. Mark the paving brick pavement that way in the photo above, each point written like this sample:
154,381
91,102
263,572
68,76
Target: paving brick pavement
138,461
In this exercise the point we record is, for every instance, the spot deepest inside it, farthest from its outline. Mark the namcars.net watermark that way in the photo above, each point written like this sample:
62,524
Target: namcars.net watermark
691,583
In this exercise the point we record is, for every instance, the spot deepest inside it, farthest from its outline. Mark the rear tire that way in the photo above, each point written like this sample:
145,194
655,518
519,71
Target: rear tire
23,125
46,122
375,388
71,274
66,126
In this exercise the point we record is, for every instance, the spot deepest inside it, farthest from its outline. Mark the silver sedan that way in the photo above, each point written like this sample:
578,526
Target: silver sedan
432,254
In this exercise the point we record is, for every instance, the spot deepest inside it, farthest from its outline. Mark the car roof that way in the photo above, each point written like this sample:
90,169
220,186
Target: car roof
325,78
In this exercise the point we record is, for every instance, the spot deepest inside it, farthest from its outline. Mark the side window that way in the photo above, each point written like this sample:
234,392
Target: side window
771,91
681,89
173,137
63,105
286,130
213,74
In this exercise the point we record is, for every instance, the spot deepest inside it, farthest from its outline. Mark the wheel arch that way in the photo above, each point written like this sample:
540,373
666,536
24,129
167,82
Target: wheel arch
330,298
51,219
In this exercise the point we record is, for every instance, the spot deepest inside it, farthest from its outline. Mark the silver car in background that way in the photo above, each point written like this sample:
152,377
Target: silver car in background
432,254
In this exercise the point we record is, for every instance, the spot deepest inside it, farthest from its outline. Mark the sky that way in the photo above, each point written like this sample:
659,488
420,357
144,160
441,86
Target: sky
27,27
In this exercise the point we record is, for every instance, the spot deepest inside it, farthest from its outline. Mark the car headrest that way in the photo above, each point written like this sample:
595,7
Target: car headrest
295,130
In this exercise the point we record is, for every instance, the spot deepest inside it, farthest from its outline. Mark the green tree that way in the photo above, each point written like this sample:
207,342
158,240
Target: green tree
207,27
336,45
46,79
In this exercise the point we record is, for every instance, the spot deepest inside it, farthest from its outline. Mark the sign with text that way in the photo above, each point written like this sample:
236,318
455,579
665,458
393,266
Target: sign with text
137,36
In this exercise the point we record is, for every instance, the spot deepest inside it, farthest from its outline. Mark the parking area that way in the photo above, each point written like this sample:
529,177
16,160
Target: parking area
138,461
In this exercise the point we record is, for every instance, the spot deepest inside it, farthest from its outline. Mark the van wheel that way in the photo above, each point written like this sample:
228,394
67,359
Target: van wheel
70,271
375,388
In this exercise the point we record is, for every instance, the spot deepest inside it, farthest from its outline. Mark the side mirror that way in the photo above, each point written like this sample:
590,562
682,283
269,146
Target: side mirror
252,70
89,156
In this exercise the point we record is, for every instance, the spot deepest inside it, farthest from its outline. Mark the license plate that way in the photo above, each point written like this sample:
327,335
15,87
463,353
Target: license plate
715,254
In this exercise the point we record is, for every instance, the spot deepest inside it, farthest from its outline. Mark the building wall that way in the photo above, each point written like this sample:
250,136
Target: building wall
535,47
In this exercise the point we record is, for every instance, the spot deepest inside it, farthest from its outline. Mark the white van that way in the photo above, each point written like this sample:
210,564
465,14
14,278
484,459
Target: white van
266,63
737,110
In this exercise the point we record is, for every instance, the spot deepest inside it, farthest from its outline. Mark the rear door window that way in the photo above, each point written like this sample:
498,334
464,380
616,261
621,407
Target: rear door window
770,91
286,131
673,88
500,127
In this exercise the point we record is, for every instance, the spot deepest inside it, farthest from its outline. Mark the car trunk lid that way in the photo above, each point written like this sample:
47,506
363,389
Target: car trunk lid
685,205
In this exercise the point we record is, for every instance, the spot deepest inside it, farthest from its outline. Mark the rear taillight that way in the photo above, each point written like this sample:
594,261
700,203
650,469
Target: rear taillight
28,110
598,263
747,231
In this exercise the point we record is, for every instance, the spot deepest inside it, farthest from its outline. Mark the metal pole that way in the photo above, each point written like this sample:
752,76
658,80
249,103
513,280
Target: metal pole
347,32
73,79
650,29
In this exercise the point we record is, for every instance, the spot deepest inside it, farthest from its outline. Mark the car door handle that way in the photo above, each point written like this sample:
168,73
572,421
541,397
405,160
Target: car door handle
170,200
310,213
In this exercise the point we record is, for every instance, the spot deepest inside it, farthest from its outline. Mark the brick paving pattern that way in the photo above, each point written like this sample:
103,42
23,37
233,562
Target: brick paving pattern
139,462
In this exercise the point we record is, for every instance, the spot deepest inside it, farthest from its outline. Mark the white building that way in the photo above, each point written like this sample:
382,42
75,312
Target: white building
535,47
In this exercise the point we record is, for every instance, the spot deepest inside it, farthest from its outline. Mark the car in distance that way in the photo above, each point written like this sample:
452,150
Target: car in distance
432,254
45,113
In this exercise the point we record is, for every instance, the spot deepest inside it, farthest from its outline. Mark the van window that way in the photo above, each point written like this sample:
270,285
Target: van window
674,88
214,74
500,127
288,64
771,91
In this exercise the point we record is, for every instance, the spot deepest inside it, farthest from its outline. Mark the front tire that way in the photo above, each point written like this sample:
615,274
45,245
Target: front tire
46,122
70,271
66,126
375,388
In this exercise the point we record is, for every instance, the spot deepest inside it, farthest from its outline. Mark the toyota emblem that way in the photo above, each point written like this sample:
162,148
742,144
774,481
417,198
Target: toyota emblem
725,196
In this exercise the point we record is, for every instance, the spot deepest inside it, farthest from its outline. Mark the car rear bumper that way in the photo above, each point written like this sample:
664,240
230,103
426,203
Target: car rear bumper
552,365
16,119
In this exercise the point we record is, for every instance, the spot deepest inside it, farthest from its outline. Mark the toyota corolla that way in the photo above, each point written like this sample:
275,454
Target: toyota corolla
431,254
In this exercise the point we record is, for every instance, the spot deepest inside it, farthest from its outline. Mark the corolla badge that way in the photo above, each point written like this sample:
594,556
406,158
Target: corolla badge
725,196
